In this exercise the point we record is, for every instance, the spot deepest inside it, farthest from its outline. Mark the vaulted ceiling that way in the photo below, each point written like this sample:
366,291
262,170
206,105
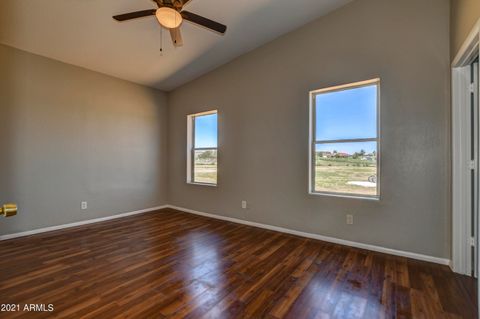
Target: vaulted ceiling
83,33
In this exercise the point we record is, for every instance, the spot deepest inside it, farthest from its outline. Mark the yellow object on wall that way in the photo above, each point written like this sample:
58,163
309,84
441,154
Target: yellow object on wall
8,210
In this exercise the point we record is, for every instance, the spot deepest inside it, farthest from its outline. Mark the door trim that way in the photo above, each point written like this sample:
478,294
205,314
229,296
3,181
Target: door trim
461,135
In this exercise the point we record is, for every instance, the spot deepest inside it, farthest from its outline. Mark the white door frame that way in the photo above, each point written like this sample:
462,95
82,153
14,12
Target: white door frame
461,169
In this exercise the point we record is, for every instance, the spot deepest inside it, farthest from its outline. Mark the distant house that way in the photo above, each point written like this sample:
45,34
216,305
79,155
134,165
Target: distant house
369,157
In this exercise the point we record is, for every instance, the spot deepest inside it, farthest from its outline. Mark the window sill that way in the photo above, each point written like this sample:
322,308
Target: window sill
348,196
202,184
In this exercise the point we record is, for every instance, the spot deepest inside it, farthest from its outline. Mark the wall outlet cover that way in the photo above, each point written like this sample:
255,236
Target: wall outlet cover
349,219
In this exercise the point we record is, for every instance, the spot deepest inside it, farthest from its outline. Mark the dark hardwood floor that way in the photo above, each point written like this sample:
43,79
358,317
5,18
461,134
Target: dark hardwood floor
176,265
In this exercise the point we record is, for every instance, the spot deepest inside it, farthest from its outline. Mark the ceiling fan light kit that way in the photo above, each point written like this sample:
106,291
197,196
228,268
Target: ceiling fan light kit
170,15
169,18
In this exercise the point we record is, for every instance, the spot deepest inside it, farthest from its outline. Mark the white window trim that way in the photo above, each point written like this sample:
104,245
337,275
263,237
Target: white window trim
191,149
312,141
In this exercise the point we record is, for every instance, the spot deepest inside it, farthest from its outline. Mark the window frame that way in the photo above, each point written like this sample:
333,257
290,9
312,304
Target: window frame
313,142
191,148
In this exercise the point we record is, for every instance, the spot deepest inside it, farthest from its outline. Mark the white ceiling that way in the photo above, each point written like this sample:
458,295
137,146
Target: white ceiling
82,33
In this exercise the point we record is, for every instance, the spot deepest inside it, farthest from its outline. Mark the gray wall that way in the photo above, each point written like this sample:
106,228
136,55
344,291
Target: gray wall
262,98
465,13
68,134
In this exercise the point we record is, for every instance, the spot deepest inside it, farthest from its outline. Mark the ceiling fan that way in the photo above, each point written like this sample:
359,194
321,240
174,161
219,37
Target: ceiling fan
170,15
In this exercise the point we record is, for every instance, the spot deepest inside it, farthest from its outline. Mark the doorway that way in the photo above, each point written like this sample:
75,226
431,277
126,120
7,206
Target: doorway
473,91
466,158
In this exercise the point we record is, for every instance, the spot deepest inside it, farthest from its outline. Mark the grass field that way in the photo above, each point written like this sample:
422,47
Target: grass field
333,175
205,170
206,173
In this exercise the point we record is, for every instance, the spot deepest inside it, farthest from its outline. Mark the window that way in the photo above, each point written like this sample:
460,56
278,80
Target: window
202,148
344,141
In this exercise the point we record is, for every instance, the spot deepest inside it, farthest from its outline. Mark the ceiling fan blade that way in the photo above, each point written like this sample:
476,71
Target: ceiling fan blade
135,15
212,25
176,37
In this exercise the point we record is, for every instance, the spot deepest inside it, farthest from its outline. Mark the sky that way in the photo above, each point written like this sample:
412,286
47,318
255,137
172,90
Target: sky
347,114
206,130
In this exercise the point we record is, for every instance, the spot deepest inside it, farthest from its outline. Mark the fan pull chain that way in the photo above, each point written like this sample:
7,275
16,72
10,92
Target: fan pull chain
161,41
175,32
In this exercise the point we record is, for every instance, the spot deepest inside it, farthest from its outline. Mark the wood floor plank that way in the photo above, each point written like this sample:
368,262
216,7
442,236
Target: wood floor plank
171,264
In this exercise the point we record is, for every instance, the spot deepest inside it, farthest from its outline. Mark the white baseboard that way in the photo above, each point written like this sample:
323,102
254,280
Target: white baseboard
83,222
380,249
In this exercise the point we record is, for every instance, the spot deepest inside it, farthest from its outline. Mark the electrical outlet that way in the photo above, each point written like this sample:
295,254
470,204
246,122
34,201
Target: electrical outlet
84,205
244,204
349,219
